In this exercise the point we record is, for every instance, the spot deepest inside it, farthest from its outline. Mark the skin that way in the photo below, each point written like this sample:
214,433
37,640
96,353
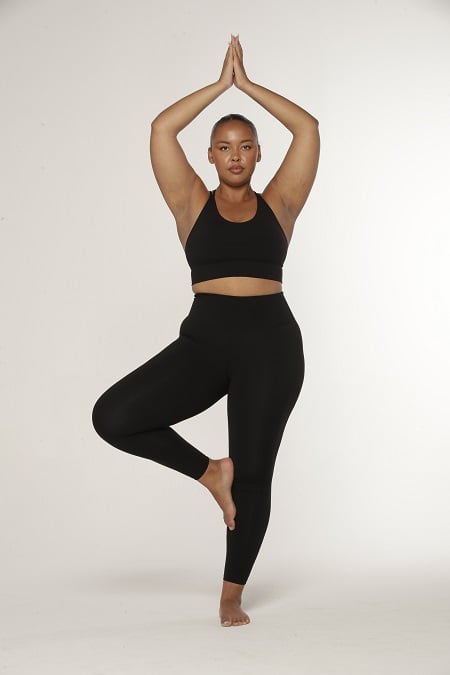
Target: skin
235,152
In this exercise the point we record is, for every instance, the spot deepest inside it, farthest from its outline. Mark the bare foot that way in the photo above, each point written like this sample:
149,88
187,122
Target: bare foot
230,611
218,478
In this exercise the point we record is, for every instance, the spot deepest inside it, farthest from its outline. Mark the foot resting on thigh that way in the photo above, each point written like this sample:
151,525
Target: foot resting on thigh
230,611
218,478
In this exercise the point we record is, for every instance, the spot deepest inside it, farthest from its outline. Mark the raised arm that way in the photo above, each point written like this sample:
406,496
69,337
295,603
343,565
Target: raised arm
177,180
290,187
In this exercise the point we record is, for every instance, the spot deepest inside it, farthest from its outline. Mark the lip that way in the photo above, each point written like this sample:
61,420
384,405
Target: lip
236,169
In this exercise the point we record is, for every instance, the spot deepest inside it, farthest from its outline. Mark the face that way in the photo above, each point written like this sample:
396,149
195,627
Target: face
234,152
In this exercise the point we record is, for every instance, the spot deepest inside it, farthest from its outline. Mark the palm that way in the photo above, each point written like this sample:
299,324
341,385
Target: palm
239,74
227,69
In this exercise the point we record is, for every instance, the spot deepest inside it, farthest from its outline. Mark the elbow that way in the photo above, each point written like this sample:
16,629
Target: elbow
310,125
160,125
155,124
156,129
313,127
311,120
159,122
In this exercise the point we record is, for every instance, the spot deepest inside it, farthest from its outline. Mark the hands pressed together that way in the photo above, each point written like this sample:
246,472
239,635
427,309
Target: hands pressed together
233,71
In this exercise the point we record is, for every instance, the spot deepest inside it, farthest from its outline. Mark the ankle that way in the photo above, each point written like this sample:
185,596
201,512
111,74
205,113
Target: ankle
232,591
211,473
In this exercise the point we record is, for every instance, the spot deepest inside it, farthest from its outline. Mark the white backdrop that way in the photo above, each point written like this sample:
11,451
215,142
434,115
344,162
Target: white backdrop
94,280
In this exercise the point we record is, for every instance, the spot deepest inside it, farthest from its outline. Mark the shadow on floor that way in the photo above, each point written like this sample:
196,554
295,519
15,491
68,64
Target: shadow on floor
170,580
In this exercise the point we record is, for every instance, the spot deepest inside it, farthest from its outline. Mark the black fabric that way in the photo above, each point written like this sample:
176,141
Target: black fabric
249,348
217,247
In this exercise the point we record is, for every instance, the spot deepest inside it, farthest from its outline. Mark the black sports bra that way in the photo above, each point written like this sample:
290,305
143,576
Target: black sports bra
217,247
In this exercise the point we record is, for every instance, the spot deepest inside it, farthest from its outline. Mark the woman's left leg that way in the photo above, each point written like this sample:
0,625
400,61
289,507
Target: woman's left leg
267,377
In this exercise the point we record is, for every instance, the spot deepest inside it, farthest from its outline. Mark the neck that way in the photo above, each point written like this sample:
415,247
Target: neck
235,194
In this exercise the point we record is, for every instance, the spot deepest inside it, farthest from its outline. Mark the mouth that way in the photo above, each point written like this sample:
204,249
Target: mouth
236,169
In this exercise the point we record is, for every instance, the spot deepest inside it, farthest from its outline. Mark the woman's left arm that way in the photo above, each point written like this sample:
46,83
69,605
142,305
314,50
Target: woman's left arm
294,179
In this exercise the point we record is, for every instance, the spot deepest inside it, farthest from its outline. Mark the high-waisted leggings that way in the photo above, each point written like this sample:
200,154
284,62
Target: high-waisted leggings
249,348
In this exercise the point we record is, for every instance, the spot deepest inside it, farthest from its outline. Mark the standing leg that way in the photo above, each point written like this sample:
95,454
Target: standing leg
265,384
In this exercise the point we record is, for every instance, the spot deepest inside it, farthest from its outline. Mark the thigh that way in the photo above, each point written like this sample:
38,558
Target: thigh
267,378
177,383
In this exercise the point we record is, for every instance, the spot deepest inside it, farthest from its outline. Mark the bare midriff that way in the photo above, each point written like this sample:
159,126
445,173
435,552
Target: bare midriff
238,286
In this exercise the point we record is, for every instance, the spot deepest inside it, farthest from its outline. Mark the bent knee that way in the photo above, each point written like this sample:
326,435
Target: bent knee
108,422
116,419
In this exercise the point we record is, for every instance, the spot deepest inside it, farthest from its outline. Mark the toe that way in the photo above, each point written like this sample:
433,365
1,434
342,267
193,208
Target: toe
229,521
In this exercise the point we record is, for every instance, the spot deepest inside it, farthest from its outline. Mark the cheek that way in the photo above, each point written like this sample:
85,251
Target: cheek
220,160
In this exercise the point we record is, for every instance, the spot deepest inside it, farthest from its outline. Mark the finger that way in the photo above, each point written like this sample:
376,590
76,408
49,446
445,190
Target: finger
237,47
229,54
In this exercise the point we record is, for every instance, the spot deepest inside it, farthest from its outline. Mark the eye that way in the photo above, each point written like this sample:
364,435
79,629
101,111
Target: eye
223,147
247,147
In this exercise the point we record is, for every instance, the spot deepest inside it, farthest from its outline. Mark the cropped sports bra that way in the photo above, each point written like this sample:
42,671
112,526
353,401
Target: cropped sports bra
217,247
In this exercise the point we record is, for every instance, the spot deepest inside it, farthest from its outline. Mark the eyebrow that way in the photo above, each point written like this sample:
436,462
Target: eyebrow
245,140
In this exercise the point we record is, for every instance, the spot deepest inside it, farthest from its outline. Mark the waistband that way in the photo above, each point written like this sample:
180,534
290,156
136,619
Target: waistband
214,313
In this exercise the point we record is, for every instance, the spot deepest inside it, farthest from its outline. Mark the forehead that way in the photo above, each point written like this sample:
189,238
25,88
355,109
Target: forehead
233,130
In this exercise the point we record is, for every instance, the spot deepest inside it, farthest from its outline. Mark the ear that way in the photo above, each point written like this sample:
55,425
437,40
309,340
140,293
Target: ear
258,158
210,156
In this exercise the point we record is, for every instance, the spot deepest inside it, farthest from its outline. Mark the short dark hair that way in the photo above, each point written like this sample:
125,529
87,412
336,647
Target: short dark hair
230,118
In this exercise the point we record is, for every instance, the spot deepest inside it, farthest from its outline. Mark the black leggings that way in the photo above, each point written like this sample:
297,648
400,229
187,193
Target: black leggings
249,348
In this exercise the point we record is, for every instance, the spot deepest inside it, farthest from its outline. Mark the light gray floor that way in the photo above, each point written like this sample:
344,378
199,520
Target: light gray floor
112,622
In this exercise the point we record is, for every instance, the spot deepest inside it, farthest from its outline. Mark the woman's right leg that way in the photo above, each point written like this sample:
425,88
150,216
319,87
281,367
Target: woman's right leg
135,414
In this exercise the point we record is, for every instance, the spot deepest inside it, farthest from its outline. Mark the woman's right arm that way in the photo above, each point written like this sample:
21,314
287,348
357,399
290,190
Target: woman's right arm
177,180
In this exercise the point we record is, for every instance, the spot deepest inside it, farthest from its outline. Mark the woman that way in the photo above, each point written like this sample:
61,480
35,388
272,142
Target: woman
240,338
